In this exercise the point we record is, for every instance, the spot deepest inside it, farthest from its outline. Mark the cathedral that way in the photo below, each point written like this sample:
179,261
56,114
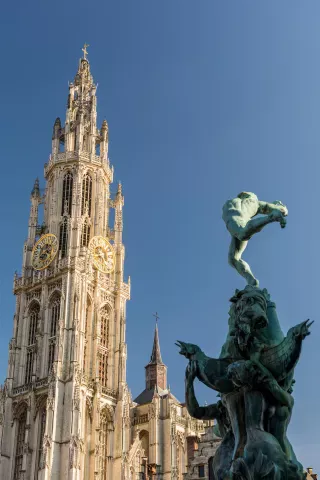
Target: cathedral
65,408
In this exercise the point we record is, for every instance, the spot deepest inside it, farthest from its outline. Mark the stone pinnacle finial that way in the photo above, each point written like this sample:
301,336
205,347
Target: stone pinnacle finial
36,189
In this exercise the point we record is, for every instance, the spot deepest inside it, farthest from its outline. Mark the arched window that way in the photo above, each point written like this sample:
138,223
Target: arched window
103,368
66,206
104,436
42,431
54,318
104,327
20,446
88,443
33,322
86,195
86,327
104,341
63,240
85,234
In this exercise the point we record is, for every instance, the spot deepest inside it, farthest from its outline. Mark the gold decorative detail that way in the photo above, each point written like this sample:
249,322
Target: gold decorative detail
44,251
102,254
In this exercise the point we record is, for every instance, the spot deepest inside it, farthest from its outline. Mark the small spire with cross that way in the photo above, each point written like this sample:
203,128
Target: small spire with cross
156,354
85,53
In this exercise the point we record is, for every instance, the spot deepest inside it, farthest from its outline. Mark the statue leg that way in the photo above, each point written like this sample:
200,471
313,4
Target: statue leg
255,225
234,403
236,250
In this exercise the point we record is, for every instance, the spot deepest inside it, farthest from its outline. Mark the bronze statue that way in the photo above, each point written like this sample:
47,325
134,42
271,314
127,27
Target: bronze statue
254,373
238,215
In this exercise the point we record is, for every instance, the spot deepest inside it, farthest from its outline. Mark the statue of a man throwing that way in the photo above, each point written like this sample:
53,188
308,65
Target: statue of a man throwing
238,215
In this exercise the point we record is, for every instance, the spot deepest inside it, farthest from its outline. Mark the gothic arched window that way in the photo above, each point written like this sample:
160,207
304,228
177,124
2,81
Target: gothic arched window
103,368
104,327
104,436
33,321
54,318
67,188
42,431
86,326
86,195
20,446
63,238
85,234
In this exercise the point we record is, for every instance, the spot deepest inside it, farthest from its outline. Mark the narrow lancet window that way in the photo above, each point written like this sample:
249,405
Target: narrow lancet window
67,188
63,240
103,368
31,344
85,347
20,446
54,319
104,327
85,234
42,431
86,195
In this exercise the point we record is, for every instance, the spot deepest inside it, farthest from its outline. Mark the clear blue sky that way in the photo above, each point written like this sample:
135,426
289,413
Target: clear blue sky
203,99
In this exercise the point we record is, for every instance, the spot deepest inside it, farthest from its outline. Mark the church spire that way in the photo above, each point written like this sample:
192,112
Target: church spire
156,353
156,370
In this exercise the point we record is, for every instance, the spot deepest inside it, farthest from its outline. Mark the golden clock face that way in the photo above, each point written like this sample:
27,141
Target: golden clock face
44,251
102,254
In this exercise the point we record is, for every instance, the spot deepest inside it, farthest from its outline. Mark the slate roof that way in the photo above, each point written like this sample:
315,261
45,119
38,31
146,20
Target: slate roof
147,395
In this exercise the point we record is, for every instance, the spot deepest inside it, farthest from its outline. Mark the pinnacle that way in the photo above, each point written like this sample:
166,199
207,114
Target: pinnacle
119,191
36,190
156,353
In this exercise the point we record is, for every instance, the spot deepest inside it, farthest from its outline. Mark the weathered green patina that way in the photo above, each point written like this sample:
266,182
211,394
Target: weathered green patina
253,374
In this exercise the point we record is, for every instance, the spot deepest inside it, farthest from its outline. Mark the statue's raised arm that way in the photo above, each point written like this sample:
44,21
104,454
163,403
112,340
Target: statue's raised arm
238,215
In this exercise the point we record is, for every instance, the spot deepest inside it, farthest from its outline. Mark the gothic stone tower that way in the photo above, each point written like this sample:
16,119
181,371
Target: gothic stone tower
63,406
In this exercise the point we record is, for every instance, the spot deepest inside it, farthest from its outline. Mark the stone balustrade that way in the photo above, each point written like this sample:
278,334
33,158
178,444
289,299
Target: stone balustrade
65,157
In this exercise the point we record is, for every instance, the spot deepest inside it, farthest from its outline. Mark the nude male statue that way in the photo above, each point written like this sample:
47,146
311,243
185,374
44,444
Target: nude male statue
238,215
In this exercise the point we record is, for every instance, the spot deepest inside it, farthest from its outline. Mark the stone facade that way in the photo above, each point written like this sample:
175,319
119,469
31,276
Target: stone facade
163,434
200,465
64,406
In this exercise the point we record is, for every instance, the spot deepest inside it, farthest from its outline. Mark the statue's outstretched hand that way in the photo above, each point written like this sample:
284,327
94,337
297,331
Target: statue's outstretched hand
191,371
278,216
280,206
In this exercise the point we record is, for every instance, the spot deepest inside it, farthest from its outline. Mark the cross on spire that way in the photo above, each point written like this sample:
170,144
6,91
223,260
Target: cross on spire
85,53
157,316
